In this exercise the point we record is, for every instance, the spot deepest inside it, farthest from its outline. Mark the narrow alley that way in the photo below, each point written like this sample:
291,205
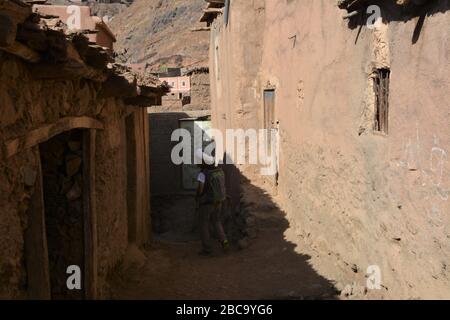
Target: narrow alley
265,267
224,150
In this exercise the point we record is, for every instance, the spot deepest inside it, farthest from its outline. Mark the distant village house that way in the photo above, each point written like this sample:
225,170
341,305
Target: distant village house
99,32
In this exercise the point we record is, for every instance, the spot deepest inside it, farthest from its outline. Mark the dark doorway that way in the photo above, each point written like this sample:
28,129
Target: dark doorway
64,189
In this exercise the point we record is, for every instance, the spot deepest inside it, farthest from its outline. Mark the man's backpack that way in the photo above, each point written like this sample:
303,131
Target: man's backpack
215,190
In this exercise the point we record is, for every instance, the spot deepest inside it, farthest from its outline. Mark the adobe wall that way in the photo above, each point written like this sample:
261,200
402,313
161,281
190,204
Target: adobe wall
166,177
200,94
29,104
111,192
356,197
177,82
235,61
14,201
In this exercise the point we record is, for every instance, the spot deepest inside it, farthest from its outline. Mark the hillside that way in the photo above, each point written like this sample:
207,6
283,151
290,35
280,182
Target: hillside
157,33
101,9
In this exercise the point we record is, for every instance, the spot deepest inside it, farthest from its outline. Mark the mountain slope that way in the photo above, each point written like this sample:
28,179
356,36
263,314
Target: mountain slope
101,9
157,33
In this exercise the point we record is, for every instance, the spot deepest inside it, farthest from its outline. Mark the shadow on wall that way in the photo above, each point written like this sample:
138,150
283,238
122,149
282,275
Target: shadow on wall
279,264
393,12
165,176
262,264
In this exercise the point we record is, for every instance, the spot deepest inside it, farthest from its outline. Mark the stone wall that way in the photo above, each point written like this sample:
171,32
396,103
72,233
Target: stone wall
15,198
29,104
357,198
200,95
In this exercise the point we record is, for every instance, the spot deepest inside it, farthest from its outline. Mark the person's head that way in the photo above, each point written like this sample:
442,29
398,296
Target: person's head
205,160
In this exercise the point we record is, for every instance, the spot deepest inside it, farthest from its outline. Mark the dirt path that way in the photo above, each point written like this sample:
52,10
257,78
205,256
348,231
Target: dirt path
268,269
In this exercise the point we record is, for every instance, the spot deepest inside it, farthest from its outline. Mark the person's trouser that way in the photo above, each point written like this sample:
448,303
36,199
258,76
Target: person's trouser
210,213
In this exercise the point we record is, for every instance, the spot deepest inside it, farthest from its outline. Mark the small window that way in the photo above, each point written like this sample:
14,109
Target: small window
269,117
183,84
381,87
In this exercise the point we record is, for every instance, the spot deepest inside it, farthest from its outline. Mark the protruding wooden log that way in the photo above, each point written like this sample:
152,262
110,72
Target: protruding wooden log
47,132
23,52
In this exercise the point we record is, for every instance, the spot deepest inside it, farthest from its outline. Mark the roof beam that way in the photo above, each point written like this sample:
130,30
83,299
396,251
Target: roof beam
23,52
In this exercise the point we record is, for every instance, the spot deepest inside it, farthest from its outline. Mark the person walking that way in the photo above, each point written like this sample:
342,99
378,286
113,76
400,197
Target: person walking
210,198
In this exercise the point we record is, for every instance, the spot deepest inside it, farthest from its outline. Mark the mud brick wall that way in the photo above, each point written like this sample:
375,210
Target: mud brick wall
356,197
200,95
28,104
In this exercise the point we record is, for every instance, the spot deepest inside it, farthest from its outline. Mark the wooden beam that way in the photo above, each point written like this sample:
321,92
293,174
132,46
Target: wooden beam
133,176
210,14
90,215
216,2
40,135
36,250
213,10
147,223
200,29
350,15
22,51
